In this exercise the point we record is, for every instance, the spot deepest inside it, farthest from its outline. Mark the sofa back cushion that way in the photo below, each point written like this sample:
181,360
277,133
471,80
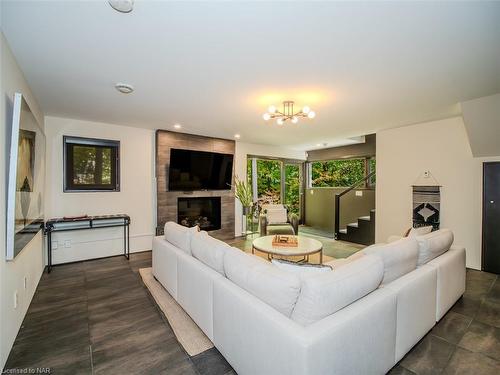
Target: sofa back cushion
180,236
278,288
209,251
433,245
340,262
420,231
399,257
324,294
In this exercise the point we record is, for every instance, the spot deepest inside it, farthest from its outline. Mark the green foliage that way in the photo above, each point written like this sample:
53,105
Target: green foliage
92,165
269,183
372,164
243,192
337,173
292,187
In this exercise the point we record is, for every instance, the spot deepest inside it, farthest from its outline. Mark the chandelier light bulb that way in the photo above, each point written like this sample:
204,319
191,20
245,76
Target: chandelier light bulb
288,113
272,109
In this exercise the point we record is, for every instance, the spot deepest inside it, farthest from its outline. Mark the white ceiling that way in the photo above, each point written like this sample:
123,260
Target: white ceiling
214,67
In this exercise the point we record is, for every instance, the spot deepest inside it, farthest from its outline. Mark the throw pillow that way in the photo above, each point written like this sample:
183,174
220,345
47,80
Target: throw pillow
301,268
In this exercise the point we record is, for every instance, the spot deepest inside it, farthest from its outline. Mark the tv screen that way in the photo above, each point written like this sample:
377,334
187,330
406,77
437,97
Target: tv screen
199,170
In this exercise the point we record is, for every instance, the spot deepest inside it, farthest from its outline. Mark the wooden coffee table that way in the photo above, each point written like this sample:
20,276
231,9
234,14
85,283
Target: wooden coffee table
307,246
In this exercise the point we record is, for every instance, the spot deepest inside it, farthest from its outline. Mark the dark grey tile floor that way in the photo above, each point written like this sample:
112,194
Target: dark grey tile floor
467,339
97,317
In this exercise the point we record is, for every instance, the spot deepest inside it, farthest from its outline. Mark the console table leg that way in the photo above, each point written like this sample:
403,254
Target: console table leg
128,241
49,251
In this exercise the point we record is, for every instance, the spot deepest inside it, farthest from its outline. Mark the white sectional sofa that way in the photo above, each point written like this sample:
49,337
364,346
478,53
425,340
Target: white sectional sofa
361,317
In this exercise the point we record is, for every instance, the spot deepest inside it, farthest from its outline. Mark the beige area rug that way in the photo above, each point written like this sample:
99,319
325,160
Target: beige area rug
189,335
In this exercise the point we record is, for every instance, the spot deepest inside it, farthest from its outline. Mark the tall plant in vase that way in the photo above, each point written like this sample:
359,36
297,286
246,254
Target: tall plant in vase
243,192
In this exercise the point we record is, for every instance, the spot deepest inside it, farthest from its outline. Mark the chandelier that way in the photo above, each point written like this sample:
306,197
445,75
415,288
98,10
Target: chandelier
288,113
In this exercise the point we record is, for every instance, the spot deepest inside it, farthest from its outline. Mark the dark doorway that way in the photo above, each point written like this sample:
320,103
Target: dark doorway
491,217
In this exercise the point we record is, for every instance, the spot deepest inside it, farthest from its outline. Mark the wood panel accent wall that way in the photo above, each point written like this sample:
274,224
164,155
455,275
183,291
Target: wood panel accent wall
166,201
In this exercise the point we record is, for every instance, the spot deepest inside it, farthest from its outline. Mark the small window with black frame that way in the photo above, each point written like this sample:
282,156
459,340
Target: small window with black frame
91,164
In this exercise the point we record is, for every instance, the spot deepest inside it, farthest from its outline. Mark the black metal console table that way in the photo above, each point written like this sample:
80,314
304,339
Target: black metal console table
88,222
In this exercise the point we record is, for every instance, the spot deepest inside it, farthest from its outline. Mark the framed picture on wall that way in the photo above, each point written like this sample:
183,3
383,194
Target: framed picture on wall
26,178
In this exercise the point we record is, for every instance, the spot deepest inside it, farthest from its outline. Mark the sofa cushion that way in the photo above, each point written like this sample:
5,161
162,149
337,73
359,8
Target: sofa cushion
399,257
209,251
276,216
324,294
340,262
433,245
420,231
278,288
180,236
301,269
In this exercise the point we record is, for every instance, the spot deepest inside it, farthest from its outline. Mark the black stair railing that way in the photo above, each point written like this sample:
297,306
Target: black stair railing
340,195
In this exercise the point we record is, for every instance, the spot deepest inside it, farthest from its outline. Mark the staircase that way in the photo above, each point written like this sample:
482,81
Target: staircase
362,232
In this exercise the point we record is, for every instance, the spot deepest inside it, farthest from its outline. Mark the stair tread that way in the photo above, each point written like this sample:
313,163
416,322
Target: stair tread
364,218
344,231
352,225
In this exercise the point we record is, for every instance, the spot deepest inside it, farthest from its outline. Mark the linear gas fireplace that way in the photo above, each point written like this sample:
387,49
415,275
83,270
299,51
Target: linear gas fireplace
201,211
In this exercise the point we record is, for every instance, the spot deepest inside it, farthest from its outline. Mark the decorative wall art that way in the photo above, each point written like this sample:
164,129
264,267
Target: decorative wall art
26,178
426,206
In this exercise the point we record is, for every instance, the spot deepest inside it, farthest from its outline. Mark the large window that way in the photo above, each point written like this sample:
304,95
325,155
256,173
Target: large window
276,181
91,164
292,187
372,164
268,181
337,173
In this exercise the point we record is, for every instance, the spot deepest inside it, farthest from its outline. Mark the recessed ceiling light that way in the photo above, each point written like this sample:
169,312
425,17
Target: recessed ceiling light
177,126
318,144
122,6
237,136
124,88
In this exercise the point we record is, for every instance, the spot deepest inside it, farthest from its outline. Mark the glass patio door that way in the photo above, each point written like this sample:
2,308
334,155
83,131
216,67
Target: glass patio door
268,181
292,180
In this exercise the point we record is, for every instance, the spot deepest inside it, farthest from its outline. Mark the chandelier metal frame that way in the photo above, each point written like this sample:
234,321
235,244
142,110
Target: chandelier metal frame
288,113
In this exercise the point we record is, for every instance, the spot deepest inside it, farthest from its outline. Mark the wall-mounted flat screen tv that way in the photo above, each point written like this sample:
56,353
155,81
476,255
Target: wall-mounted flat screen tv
199,170
26,178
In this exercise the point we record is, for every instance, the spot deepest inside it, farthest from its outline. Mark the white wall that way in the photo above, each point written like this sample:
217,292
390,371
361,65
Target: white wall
482,122
135,198
29,263
240,167
442,147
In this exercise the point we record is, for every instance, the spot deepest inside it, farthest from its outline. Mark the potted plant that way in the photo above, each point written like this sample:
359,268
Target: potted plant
243,192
